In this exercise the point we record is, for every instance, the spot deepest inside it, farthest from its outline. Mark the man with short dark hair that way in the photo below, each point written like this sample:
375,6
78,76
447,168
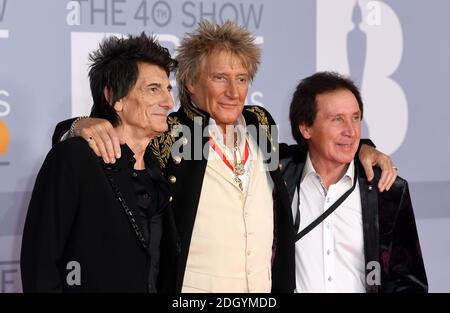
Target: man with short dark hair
350,237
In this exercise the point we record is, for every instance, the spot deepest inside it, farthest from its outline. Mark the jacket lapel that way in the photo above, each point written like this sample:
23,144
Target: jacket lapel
256,120
369,205
160,182
293,161
119,177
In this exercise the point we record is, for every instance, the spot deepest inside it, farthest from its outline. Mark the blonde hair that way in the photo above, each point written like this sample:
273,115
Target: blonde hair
209,38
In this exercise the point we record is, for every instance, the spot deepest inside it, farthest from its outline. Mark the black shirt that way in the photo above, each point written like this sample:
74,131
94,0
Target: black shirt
151,216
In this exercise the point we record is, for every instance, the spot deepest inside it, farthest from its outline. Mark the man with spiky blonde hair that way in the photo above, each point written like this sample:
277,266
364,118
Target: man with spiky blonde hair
208,39
233,238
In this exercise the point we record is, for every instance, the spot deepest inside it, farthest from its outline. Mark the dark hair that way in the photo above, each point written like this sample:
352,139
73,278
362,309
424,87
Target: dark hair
115,66
303,107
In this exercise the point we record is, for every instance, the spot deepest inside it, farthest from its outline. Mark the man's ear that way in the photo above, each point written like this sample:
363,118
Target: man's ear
106,94
118,105
190,86
305,131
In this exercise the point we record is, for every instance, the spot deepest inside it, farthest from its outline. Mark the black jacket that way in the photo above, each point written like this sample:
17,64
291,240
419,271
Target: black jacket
82,210
390,234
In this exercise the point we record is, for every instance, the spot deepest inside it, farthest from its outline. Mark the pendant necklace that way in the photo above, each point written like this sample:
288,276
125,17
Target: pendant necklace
238,166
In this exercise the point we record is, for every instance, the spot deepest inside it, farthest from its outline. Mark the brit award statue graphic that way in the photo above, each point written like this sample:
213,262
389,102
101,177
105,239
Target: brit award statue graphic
356,54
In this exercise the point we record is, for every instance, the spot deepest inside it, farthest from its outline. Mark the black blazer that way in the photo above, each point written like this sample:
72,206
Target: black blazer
390,234
76,214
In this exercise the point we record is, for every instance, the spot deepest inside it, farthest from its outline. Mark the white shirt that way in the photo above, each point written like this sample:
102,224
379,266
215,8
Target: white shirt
330,258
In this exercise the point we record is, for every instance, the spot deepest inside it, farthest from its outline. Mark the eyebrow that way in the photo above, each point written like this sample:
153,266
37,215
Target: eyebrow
159,85
341,114
225,74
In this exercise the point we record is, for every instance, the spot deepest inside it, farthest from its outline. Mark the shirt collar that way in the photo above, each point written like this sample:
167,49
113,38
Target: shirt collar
127,159
350,173
310,170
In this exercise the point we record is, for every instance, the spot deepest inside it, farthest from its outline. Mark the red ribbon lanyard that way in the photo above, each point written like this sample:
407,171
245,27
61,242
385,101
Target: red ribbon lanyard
216,148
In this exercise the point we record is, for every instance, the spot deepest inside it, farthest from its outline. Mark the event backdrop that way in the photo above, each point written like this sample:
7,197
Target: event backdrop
397,51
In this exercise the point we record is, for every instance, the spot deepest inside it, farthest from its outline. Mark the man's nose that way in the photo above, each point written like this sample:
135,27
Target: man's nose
350,128
232,89
168,100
